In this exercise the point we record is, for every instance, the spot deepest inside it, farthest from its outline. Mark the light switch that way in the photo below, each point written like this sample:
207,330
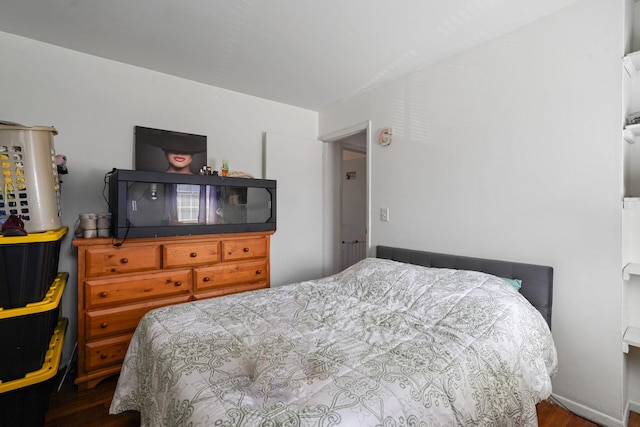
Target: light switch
384,214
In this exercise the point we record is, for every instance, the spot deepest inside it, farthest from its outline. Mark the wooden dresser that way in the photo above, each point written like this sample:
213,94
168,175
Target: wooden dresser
117,285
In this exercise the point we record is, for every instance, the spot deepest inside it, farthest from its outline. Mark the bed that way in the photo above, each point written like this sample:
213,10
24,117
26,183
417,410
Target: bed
409,338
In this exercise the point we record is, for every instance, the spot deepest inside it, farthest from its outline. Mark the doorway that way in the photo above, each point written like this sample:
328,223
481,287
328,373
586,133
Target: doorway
346,197
353,194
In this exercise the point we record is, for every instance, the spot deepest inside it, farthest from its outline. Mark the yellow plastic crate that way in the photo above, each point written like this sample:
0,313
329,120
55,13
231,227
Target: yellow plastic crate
24,402
28,265
44,236
25,332
51,362
50,301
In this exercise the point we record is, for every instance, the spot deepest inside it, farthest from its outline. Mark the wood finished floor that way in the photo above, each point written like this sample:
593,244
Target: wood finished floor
90,408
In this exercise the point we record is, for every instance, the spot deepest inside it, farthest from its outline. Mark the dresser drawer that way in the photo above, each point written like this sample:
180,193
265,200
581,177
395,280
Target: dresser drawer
117,260
239,249
119,320
132,288
228,274
230,289
189,254
107,352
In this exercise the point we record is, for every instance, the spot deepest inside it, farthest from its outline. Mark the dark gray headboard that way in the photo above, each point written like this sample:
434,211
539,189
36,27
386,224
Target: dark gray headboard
537,280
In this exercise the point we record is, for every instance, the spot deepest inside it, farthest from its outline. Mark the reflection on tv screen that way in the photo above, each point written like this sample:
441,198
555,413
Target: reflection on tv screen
161,204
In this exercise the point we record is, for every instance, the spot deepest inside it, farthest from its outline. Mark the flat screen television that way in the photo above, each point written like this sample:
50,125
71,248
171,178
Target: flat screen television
155,204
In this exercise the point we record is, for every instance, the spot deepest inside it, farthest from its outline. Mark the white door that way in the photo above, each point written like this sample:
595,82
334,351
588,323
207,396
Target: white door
353,224
296,247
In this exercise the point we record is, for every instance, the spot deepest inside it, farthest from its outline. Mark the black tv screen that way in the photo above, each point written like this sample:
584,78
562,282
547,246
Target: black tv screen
152,204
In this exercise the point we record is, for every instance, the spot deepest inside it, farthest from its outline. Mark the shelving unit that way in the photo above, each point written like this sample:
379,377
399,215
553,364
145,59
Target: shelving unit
631,337
631,199
632,133
631,202
630,269
631,64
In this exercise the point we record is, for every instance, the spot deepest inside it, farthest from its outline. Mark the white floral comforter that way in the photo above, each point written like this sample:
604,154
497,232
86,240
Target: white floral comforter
380,344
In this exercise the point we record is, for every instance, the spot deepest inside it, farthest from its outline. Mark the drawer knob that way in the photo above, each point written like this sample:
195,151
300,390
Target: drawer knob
245,250
178,283
104,294
258,271
103,356
124,260
205,279
193,254
104,325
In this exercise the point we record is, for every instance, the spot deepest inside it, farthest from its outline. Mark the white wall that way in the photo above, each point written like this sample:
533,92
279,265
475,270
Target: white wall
512,150
95,104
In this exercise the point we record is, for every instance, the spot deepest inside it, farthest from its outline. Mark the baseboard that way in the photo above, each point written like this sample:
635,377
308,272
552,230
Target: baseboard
589,413
633,407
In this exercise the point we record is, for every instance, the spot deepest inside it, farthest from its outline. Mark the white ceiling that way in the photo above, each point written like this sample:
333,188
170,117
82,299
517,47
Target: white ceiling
307,53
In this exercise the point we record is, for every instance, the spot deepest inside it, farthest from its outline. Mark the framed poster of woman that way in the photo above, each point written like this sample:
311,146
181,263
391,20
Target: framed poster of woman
161,150
168,151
